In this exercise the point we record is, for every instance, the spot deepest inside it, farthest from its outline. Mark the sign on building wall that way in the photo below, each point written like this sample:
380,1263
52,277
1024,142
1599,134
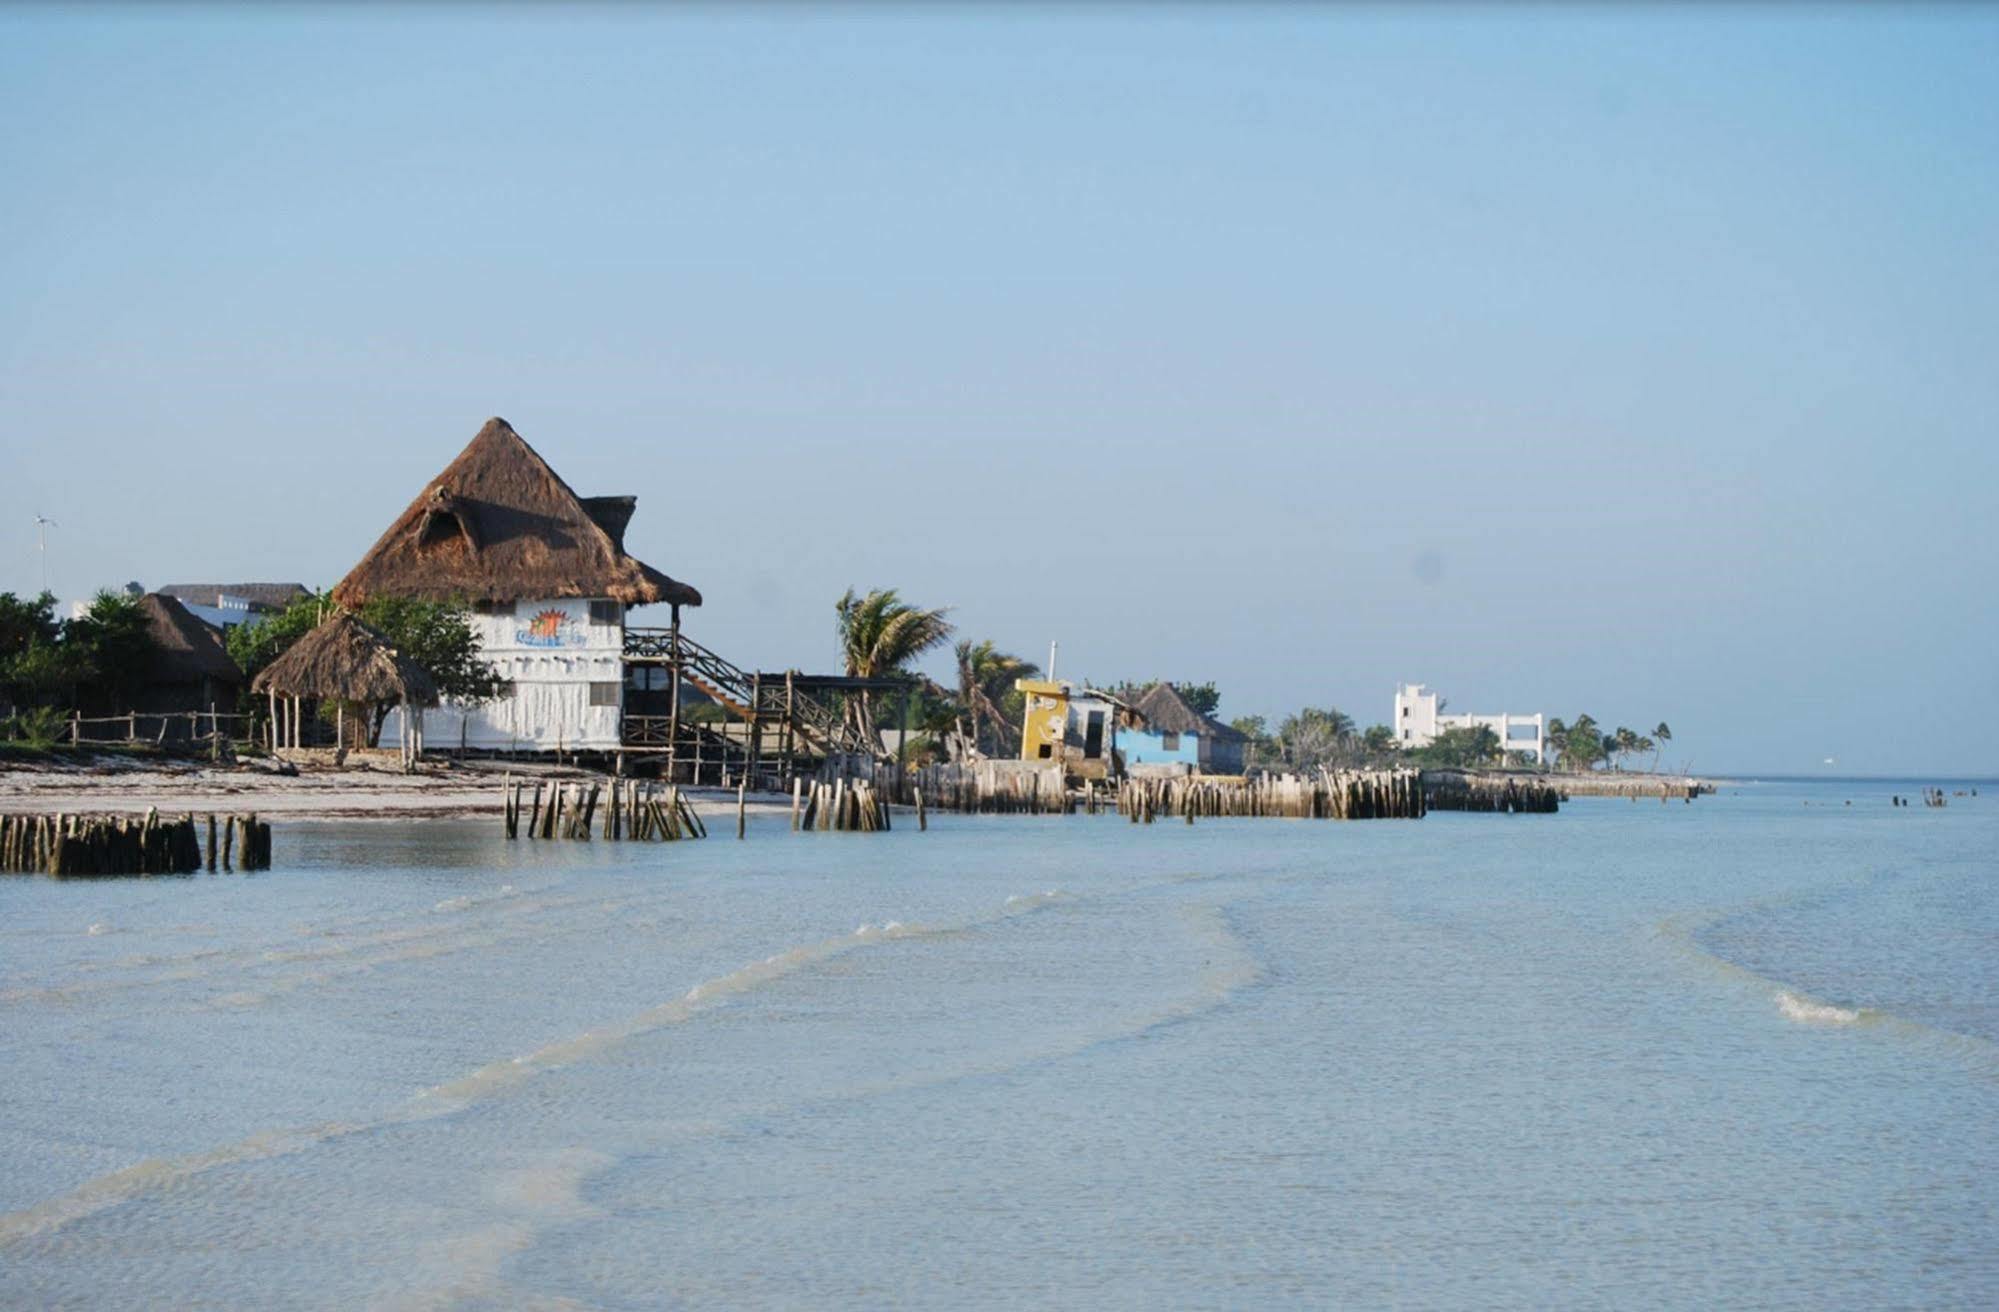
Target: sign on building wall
554,624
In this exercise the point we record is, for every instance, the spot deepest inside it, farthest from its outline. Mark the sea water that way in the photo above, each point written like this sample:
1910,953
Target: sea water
1742,1052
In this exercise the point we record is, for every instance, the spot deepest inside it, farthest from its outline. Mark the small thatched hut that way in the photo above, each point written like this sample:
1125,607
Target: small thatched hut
1161,728
350,664
549,583
191,670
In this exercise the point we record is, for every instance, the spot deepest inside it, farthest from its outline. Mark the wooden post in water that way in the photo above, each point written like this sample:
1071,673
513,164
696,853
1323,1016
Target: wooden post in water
742,795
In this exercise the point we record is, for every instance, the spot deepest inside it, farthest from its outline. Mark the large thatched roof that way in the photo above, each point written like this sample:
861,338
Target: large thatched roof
189,650
499,525
1162,709
347,660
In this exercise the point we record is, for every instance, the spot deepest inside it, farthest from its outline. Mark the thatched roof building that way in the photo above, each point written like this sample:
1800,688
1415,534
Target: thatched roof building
348,661
499,526
1162,709
190,652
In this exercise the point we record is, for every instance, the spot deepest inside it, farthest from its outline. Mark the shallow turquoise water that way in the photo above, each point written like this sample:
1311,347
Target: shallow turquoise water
1741,1052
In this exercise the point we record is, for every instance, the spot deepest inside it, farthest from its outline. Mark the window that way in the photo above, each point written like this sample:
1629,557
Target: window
1405,733
604,694
1405,712
1047,750
605,612
1170,741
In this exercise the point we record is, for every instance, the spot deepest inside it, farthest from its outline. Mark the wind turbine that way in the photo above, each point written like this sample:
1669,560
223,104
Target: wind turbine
42,526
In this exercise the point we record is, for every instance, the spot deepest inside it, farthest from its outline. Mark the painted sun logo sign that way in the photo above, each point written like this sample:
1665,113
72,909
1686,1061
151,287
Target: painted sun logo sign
549,628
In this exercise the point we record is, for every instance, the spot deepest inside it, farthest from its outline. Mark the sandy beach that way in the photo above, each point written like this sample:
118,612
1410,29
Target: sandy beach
121,785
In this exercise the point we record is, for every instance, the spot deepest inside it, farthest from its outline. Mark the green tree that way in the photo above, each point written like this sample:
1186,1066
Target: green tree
253,646
985,680
1664,734
31,662
109,647
880,634
1462,747
1379,741
23,623
1316,736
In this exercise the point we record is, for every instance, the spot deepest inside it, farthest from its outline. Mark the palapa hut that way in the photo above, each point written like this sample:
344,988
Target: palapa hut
352,665
548,581
191,670
1160,728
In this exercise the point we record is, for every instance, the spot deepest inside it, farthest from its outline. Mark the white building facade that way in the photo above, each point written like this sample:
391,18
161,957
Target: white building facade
1419,718
564,662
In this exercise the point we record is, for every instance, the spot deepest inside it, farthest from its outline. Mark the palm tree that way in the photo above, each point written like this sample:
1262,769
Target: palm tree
880,634
1664,735
1582,743
985,676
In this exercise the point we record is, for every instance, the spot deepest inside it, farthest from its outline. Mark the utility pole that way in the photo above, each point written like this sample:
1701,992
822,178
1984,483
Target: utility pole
1052,647
42,526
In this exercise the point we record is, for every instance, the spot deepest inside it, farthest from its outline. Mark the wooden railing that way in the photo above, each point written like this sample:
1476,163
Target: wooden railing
154,728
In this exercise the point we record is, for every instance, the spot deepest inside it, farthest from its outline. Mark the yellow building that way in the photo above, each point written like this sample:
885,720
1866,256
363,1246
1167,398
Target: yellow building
1067,724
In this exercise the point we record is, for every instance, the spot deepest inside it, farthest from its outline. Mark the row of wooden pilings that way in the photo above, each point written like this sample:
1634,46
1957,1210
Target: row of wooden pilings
1323,795
992,788
853,805
88,845
1451,790
637,810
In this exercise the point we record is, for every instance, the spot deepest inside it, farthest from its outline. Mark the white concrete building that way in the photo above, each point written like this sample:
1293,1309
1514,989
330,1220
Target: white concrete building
1419,718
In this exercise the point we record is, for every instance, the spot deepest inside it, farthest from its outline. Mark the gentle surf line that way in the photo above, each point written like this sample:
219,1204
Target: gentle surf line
1232,969
121,1186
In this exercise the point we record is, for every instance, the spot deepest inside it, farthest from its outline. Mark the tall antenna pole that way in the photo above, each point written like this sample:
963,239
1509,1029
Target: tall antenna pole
1051,660
42,526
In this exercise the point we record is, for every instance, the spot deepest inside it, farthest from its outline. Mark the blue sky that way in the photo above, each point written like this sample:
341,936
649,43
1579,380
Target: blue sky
1637,361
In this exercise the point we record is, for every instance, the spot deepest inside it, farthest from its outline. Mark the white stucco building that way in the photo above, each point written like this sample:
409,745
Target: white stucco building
1419,718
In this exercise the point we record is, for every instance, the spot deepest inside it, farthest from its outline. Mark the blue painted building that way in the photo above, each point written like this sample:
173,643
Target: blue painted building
1160,728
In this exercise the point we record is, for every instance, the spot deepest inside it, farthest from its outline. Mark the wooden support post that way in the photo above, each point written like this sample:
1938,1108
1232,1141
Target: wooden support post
742,797
673,702
790,732
756,727
797,785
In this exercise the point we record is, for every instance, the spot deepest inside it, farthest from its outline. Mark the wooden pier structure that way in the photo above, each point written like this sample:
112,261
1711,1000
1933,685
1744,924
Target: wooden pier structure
768,728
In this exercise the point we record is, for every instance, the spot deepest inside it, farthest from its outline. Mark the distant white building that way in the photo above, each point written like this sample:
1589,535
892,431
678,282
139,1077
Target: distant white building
1419,719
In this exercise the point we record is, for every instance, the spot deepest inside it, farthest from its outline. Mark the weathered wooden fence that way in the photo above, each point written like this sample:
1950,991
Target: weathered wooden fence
1455,790
1322,795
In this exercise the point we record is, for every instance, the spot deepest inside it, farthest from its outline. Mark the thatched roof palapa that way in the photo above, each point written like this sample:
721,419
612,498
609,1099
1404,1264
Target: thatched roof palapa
346,660
1162,709
498,525
189,650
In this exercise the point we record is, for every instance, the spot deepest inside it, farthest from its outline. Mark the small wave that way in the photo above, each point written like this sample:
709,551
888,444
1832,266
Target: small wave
453,904
99,928
121,1186
1807,1012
